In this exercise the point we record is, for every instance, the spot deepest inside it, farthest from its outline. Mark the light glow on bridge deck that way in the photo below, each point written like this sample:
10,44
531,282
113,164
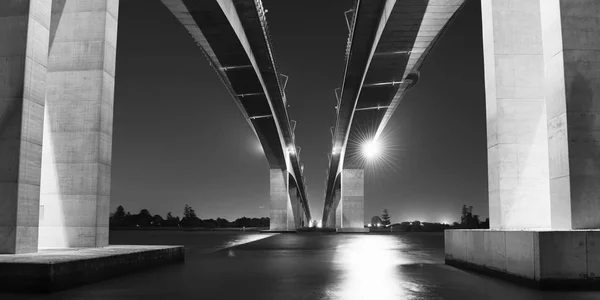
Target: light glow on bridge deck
370,152
371,149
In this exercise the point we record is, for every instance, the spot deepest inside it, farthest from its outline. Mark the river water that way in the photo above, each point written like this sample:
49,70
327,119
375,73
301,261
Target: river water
238,265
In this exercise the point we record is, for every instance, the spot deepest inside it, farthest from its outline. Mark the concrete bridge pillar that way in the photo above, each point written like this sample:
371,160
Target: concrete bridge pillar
281,208
76,159
24,35
338,208
542,74
519,194
350,210
571,35
293,203
542,60
331,215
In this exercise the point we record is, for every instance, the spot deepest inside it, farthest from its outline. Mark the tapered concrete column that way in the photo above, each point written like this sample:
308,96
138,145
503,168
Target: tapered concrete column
571,33
331,217
351,205
338,208
280,200
24,34
292,209
76,164
518,176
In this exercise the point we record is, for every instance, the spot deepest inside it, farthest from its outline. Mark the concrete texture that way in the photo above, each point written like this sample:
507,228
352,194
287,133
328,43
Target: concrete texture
76,159
519,195
52,270
572,60
280,200
24,35
544,258
293,219
351,205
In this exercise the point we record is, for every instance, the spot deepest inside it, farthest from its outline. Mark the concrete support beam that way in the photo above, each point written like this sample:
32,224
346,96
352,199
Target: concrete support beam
331,217
571,35
76,163
280,209
338,208
542,60
519,194
350,212
293,204
24,35
540,50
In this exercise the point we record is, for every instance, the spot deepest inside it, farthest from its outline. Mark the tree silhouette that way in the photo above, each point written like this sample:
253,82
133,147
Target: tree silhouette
188,212
120,213
385,217
468,220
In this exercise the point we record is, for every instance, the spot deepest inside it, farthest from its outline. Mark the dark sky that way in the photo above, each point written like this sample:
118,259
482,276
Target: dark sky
180,139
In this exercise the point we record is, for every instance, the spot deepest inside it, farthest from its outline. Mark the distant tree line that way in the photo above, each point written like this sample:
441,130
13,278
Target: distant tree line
467,221
144,218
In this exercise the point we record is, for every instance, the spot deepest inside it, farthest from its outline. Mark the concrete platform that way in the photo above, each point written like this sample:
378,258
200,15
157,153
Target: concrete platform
53,270
353,230
545,259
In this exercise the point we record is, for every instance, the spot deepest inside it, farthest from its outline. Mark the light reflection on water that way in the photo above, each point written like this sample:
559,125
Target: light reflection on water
369,270
243,239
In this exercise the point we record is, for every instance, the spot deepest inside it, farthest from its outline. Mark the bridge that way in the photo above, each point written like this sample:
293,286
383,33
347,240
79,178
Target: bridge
56,115
541,62
387,44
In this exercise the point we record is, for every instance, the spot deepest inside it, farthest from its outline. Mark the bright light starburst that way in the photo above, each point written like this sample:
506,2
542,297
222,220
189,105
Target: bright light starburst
374,153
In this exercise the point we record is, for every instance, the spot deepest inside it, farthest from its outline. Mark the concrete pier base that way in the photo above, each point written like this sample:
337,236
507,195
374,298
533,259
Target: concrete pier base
545,259
53,270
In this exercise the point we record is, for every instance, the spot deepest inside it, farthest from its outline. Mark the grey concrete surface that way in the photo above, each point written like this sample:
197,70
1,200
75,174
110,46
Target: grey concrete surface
280,200
53,270
546,258
519,195
571,34
353,199
76,158
24,35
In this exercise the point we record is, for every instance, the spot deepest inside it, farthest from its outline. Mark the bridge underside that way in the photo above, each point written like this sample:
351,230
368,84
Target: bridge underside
389,43
234,38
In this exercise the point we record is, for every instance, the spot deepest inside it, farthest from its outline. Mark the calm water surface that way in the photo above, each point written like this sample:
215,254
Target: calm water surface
237,265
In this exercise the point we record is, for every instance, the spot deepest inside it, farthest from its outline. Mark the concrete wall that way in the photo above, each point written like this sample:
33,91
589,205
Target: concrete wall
535,255
572,61
24,35
519,195
352,199
76,163
542,72
280,199
338,211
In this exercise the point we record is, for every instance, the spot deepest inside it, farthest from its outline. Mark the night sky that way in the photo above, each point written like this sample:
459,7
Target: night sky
180,139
